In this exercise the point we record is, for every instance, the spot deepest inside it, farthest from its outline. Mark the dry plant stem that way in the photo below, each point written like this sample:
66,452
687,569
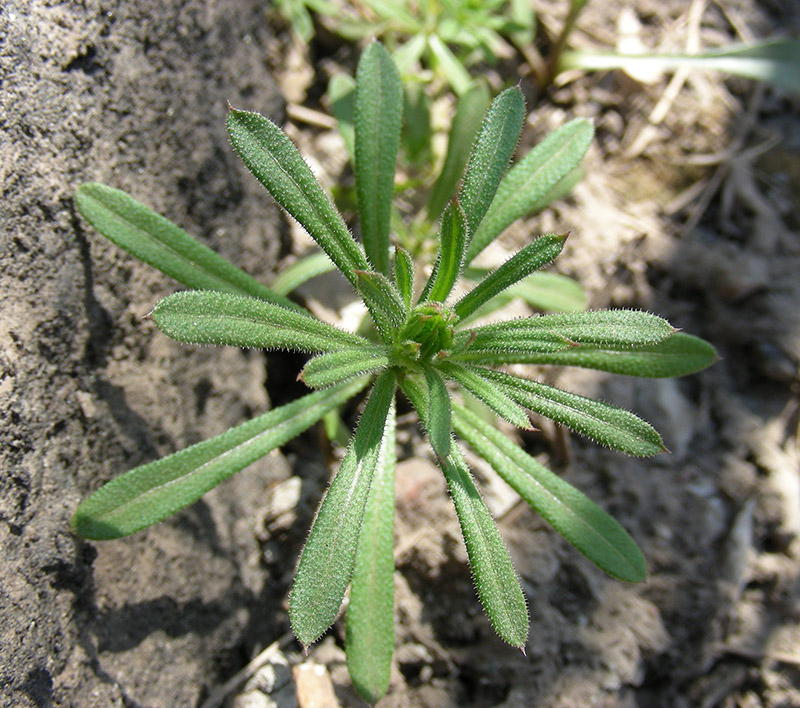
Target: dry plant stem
233,684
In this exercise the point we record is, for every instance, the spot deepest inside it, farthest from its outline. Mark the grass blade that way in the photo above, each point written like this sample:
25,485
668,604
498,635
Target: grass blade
776,61
337,366
205,317
158,242
534,256
579,520
602,422
531,179
326,564
378,117
277,164
150,493
466,123
369,640
494,146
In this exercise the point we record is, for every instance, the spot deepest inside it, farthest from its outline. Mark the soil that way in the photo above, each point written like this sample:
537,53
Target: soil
689,208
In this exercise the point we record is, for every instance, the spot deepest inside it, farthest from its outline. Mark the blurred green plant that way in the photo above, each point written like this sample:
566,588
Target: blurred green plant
422,342
444,38
427,38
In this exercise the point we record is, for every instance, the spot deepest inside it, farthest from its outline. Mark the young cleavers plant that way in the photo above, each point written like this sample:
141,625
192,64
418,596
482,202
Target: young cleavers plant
423,345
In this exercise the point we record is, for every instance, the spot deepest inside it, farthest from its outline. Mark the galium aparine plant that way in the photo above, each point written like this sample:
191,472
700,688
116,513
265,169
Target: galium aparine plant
424,343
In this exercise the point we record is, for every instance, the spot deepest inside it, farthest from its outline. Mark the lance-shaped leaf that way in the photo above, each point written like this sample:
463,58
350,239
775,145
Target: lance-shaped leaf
331,368
466,122
452,242
384,302
369,642
494,146
438,413
587,527
301,271
607,424
473,380
205,317
160,243
404,275
531,179
326,564
610,329
152,492
495,580
542,251
378,117
680,355
455,73
277,164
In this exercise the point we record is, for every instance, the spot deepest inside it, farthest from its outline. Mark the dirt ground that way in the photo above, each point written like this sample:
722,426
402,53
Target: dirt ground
690,208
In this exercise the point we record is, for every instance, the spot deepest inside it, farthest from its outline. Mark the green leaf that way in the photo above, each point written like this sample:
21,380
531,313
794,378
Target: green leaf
609,329
496,581
542,251
408,54
466,123
150,493
342,95
532,179
160,243
331,368
369,639
602,422
378,117
776,61
494,146
587,527
303,270
327,562
277,164
384,302
404,275
438,416
680,355
417,128
551,292
453,70
522,16
452,244
205,317
548,292
473,380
